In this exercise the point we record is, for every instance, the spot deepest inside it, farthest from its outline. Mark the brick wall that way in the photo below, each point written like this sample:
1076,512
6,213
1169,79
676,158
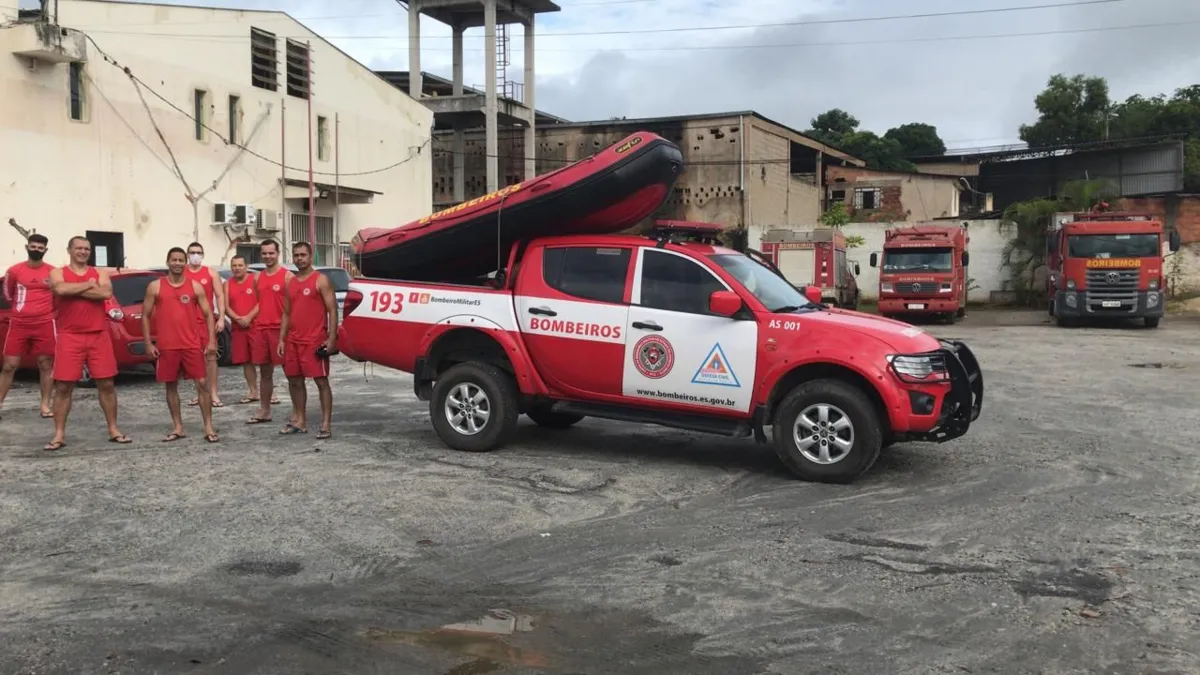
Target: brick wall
907,197
1181,212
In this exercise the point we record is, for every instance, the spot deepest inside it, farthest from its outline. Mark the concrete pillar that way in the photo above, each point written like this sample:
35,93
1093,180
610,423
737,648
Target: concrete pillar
531,103
457,40
414,49
489,105
459,146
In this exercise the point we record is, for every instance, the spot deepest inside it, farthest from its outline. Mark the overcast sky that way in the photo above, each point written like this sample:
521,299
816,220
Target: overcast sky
976,91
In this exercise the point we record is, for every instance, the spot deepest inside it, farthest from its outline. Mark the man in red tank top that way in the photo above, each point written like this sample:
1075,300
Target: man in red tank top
241,302
214,292
307,339
264,333
83,339
31,319
176,301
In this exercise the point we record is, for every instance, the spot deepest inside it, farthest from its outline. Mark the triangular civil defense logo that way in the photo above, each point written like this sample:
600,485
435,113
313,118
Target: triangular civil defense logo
716,370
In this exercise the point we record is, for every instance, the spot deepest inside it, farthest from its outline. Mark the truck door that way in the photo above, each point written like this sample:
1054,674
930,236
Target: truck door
572,308
679,353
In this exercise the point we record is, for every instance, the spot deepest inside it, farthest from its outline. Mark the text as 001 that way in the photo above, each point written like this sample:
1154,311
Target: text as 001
387,302
786,325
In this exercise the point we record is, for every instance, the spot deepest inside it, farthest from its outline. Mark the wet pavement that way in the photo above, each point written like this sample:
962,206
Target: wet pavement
1058,537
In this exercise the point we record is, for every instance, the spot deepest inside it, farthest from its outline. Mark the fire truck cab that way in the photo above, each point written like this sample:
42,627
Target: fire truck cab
924,271
1106,265
815,258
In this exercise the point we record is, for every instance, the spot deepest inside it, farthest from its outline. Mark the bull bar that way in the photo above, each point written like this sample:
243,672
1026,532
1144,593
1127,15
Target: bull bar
963,404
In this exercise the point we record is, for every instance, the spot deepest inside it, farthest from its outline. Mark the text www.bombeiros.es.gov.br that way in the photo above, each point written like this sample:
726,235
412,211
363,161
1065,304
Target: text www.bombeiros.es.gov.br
687,398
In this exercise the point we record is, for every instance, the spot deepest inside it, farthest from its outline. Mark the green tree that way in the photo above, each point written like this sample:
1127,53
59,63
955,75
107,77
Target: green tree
1070,110
832,126
917,139
836,215
879,153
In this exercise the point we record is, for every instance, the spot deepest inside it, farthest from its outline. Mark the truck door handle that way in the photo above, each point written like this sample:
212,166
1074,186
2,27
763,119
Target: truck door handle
647,325
544,311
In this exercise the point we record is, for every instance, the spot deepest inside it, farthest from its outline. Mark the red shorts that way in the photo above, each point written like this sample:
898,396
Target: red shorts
300,360
240,341
264,343
34,340
202,331
75,350
175,363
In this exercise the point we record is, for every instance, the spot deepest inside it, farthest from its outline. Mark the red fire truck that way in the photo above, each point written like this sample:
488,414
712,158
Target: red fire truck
815,258
1106,265
924,271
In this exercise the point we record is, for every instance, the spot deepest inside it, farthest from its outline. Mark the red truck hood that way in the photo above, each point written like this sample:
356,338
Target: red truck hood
902,337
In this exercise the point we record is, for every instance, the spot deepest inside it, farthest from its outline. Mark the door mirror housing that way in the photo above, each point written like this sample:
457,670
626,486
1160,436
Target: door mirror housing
857,269
724,303
966,259
874,260
813,293
1173,241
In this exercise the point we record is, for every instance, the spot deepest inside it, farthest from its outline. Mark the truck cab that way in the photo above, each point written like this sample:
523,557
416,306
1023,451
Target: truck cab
1106,265
924,272
671,329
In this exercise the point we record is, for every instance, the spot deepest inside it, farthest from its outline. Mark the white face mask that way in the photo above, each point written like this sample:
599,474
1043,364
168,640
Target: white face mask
195,258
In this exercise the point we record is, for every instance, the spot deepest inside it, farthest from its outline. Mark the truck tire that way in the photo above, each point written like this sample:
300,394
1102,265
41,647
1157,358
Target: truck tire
962,312
474,407
545,417
827,431
1152,321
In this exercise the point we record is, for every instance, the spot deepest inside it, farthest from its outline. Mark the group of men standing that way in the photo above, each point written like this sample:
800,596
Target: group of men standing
60,316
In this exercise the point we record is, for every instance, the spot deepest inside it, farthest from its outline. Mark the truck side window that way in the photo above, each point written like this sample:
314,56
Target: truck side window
587,272
677,284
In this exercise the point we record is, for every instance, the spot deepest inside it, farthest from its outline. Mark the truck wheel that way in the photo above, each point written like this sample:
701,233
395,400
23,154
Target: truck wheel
827,431
1152,321
474,407
962,311
545,417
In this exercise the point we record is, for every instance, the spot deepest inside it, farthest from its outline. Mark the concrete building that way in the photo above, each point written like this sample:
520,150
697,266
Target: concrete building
503,104
740,168
872,195
141,160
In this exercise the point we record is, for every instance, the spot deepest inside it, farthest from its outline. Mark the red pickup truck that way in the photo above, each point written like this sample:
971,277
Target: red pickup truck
670,329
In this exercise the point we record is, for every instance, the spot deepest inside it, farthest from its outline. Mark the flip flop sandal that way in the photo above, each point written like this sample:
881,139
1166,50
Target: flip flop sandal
247,399
218,404
292,429
258,420
122,439
54,445
47,415
324,433
274,400
172,437
194,402
212,438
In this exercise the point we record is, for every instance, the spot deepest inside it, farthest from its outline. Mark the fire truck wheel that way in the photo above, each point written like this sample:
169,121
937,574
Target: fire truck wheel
827,431
474,407
543,416
962,311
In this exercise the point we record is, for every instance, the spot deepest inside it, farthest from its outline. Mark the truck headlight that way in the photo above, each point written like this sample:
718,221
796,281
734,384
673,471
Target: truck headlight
1154,284
919,368
885,287
1070,284
944,289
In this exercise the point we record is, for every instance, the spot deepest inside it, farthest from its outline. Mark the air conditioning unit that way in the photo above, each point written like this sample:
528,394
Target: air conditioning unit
266,220
241,214
248,214
224,213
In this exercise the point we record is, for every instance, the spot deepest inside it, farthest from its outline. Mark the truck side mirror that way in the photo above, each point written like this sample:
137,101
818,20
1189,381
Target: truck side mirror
874,260
813,293
966,259
724,303
1173,241
857,269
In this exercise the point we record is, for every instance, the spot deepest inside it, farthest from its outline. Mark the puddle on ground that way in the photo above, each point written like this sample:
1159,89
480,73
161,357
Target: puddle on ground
274,569
478,640
1157,366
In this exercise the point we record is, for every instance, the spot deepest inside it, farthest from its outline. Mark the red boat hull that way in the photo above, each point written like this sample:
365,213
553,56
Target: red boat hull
607,192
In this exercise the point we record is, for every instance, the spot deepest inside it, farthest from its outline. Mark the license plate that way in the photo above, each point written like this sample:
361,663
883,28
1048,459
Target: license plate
916,306
1110,303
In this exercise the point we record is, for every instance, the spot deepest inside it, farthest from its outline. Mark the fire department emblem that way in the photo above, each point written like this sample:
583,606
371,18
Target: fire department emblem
653,357
308,291
249,291
185,299
275,287
204,282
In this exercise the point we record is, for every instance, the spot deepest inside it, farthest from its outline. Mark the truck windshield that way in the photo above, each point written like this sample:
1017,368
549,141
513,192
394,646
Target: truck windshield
1113,245
914,259
771,289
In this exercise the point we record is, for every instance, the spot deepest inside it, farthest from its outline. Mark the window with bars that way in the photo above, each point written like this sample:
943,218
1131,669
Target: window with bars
75,81
298,81
264,60
322,138
325,248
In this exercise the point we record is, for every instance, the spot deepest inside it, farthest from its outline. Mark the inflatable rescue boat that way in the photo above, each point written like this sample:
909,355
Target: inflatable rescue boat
608,192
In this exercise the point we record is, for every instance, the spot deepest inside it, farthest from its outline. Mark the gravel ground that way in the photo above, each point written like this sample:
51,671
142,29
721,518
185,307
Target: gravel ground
1057,537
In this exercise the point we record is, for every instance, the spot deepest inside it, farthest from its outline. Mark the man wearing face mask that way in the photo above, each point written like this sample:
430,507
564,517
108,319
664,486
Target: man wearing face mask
210,281
31,324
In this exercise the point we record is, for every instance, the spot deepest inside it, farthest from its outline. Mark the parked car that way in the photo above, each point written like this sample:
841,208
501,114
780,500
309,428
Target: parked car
129,289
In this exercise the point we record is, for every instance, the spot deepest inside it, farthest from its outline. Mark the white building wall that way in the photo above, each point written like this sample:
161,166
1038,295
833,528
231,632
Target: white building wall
112,172
987,242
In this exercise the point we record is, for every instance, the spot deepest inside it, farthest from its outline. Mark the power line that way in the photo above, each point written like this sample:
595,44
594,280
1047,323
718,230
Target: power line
685,29
839,43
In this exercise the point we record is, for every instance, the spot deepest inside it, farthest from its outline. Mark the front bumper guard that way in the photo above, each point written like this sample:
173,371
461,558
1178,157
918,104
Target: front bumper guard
963,404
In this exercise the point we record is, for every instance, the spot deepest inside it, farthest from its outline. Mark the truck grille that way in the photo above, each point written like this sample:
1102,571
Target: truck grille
918,289
1112,285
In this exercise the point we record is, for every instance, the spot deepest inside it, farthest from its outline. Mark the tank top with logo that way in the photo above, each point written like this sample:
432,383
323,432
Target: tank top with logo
77,314
308,319
175,312
203,276
270,298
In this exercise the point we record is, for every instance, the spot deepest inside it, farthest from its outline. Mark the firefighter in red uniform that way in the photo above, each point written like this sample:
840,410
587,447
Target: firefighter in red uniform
307,339
176,302
241,306
83,339
264,334
31,322
210,280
